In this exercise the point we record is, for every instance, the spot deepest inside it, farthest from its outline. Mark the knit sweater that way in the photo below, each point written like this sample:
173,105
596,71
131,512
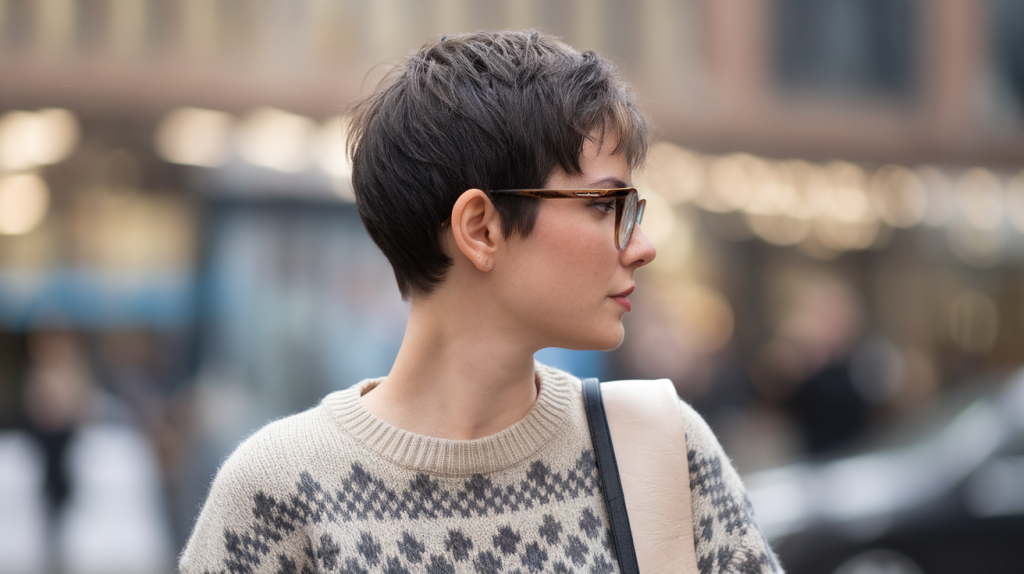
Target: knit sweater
335,489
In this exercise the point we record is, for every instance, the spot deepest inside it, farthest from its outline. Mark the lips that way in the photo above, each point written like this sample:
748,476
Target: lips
621,298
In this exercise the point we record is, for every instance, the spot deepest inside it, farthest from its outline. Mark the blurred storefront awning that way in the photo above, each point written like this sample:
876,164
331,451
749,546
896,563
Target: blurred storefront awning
94,299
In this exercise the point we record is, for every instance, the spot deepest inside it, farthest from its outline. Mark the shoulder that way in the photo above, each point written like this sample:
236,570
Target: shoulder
286,440
700,439
714,482
269,460
712,474
261,471
725,530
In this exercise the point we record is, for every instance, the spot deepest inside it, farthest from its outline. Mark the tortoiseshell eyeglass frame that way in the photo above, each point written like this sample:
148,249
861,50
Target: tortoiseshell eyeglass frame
629,209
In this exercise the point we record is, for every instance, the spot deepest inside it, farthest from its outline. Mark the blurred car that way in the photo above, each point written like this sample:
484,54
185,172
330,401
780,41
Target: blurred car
951,500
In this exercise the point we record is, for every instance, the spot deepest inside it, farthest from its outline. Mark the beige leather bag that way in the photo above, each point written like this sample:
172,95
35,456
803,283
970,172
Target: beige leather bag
649,438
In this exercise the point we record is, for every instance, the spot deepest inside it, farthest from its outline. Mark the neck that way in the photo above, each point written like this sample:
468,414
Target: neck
458,375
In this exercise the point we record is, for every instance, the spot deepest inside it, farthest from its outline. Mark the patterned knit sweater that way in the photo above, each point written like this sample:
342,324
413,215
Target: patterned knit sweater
335,489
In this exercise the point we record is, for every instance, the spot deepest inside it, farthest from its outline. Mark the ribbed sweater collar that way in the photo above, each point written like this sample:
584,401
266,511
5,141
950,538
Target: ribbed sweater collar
557,402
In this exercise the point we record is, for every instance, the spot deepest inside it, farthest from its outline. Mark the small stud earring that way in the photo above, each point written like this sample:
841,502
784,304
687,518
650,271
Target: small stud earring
488,265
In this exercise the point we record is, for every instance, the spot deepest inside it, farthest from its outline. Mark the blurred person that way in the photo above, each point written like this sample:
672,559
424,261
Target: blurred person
807,366
59,397
58,400
101,482
469,456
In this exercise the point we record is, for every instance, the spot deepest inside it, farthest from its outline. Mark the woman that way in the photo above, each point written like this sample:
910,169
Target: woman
493,170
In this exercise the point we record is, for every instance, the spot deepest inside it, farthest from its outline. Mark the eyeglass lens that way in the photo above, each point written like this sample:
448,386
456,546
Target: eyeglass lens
626,220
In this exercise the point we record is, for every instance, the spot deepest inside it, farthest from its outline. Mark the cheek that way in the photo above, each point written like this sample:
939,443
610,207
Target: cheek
570,256
561,279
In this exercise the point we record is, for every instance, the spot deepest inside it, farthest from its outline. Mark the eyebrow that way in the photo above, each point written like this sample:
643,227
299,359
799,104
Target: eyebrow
610,182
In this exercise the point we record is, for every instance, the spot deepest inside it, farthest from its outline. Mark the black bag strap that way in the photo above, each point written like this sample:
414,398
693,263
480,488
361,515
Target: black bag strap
608,470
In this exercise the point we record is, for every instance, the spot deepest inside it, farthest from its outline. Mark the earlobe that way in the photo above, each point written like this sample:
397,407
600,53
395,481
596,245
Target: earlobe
476,228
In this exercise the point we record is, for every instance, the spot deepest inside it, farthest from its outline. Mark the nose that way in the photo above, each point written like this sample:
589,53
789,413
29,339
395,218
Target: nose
639,251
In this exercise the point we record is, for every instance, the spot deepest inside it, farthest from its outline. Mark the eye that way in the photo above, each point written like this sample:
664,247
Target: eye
604,205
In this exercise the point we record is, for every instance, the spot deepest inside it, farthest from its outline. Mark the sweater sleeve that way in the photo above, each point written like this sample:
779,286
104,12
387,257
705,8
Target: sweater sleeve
726,534
227,536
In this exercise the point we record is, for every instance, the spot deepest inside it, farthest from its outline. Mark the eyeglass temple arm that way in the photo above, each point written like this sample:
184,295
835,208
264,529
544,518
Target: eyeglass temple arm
553,193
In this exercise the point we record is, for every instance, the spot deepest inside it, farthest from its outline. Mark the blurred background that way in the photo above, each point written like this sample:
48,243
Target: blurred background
837,196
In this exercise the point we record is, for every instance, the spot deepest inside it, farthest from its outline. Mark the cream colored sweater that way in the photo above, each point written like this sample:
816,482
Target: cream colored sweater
335,489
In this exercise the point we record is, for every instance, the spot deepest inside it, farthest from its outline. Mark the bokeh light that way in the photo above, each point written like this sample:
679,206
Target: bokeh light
729,183
847,198
333,156
276,139
980,198
899,196
659,217
31,139
941,196
707,314
194,136
24,200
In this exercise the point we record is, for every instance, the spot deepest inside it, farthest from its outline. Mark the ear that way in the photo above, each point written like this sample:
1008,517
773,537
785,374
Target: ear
476,228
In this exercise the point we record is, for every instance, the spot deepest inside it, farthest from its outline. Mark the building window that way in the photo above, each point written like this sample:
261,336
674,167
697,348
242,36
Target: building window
1008,46
846,47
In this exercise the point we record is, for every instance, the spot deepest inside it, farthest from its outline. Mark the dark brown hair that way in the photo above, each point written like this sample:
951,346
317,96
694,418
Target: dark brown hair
487,110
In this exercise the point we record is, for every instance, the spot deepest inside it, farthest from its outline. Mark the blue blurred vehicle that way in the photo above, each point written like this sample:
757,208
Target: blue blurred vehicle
948,502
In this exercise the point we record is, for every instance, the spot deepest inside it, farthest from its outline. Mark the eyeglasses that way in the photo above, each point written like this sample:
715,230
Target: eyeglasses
629,208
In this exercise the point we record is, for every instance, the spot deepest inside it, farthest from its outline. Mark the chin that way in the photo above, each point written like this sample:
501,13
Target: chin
616,343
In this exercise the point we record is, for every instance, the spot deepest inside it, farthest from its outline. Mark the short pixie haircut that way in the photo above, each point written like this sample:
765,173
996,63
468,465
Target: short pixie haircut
486,110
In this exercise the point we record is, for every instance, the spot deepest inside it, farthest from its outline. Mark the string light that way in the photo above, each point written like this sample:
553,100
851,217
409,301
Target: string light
729,183
840,206
847,198
980,198
825,209
899,196
941,203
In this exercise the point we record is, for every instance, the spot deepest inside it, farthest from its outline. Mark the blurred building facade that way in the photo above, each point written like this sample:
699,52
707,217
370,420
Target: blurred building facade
837,196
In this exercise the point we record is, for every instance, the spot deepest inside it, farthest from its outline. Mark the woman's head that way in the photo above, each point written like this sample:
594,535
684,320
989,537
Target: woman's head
487,110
